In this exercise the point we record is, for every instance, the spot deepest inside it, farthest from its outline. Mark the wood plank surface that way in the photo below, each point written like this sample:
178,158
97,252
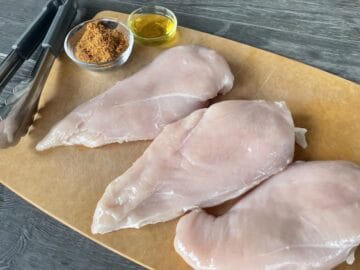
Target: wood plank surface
322,33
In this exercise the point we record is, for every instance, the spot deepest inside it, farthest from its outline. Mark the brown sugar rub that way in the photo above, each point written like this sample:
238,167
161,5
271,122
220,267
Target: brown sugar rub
99,44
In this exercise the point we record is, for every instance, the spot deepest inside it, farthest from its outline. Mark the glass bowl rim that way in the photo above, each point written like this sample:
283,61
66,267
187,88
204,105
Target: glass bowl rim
69,51
173,18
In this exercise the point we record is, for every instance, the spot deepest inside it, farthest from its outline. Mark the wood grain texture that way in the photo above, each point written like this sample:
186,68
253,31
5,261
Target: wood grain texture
321,33
31,240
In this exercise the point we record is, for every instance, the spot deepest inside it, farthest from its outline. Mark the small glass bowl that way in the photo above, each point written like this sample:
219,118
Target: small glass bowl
152,10
76,33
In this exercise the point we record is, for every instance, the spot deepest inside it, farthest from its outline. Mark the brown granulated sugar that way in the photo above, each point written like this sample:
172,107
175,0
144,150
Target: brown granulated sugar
100,44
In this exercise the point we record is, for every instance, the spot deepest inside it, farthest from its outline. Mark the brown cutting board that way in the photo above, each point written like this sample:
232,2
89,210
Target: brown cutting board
66,182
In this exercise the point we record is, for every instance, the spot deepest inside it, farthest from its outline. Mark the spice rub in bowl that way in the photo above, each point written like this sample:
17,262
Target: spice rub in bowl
99,44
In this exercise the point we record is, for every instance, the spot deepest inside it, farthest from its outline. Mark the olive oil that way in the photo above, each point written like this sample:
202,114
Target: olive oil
152,28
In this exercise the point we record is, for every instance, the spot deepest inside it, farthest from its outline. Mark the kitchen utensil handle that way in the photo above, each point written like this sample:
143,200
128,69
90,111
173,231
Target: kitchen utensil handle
27,43
32,37
60,26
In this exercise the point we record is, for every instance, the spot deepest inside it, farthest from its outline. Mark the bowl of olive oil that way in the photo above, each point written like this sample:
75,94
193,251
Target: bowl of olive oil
152,25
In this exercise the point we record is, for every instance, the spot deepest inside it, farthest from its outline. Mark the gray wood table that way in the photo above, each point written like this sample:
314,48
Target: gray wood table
321,33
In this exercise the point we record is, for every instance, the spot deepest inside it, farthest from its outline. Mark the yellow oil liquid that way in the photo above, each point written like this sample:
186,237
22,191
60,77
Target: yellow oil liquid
148,27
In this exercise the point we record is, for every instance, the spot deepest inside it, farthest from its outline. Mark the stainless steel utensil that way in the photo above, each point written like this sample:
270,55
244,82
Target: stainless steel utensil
21,115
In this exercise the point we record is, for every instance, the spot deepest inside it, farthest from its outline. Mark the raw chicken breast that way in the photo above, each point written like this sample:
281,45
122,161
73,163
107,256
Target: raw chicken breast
209,157
306,217
179,81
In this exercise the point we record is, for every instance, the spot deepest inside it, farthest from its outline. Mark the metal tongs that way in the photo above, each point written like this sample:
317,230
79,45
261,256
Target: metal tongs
49,29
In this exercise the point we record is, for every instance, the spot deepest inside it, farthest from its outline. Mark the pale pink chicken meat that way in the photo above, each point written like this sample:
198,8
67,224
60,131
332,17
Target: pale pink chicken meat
177,82
304,218
209,157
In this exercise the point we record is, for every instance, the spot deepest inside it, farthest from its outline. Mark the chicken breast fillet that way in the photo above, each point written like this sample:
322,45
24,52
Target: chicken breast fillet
179,81
209,157
304,218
